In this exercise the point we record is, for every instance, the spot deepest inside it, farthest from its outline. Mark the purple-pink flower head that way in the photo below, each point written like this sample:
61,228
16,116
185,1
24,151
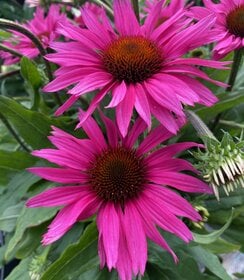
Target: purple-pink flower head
229,24
44,27
142,66
128,185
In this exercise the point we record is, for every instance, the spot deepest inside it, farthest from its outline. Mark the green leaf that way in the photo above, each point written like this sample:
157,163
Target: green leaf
77,259
33,80
30,72
32,126
210,261
9,217
32,240
21,271
213,236
16,189
29,217
16,160
221,246
230,101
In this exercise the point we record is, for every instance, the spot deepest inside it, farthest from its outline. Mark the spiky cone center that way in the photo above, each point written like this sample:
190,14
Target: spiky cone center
235,21
228,174
117,175
132,59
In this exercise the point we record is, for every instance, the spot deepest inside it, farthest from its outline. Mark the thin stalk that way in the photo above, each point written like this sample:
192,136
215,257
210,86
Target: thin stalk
7,24
234,68
9,50
14,134
8,74
135,5
106,7
199,125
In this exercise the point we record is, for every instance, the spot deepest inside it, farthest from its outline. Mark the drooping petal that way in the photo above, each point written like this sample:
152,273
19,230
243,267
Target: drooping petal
109,232
57,196
60,175
65,219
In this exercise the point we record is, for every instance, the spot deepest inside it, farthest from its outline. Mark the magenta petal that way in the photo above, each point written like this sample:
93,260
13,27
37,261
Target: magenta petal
156,136
124,110
112,131
96,100
135,131
123,25
135,237
142,106
109,231
65,219
170,151
118,93
60,175
57,196
173,202
179,181
151,230
93,131
67,104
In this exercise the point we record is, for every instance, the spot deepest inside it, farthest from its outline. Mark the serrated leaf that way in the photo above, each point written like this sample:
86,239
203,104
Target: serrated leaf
213,236
210,261
77,258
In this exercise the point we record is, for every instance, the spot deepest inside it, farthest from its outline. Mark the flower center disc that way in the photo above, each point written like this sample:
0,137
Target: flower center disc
117,175
235,21
132,59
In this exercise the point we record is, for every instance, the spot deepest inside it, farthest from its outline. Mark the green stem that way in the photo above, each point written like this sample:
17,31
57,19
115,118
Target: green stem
135,5
233,74
7,24
9,50
235,67
14,134
199,125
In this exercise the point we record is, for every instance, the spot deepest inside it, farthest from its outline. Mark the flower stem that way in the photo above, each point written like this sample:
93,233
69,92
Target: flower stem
135,5
9,50
233,74
235,67
14,134
199,125
7,24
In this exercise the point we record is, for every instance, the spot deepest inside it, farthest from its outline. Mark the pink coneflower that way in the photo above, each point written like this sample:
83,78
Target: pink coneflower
125,184
142,66
229,24
44,27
